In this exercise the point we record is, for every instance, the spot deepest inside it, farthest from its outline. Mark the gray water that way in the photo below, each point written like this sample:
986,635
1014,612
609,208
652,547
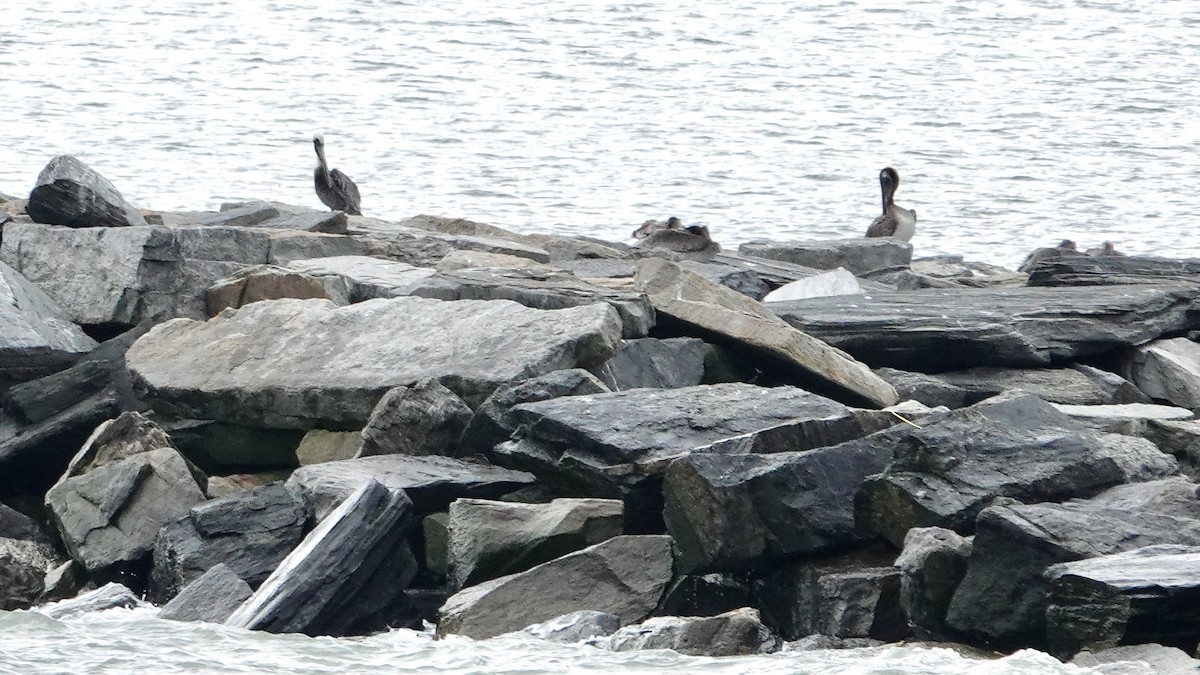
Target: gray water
1013,124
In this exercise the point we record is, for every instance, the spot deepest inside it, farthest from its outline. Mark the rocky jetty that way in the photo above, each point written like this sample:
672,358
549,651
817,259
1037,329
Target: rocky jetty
301,421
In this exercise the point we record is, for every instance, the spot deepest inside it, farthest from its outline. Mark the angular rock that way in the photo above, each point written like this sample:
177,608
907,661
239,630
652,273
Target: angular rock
729,317
861,256
936,330
932,565
489,539
131,433
575,627
1017,446
1160,660
1002,599
1115,387
654,363
36,336
267,282
249,531
368,278
1168,370
286,246
423,248
64,581
494,420
212,597
1056,385
319,446
108,596
108,518
425,418
1149,594
17,525
275,216
928,389
1104,270
329,585
737,633
432,483
835,282
742,279
23,568
1179,438
625,576
340,361
69,192
706,595
435,529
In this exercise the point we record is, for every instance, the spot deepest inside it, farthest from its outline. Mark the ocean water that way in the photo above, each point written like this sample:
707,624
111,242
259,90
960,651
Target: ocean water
1013,123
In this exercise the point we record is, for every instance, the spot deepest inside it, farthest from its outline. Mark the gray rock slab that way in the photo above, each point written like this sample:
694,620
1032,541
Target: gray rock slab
1118,416
319,445
108,596
1159,659
327,585
625,576
424,248
932,565
425,418
737,633
937,330
212,597
655,363
368,277
1168,370
861,256
69,192
130,433
37,337
339,361
431,482
1115,270
489,539
23,568
285,246
928,389
575,627
1056,385
268,282
277,216
17,525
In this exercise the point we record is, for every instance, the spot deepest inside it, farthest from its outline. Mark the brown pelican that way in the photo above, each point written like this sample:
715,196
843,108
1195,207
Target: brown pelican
896,221
1065,249
691,239
651,226
335,188
1107,248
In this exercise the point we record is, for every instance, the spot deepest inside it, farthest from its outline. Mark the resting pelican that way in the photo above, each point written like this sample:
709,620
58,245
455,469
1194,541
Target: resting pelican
1065,249
651,226
896,221
335,188
691,239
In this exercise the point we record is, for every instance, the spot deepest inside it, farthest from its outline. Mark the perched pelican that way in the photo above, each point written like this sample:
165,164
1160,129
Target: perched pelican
896,221
1065,249
651,226
691,239
335,188
1107,248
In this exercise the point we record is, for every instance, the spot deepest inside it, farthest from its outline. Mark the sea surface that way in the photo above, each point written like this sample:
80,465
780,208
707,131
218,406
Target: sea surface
1013,124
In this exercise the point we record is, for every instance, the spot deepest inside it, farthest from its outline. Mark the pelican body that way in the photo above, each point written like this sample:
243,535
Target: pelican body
691,239
651,226
896,221
335,188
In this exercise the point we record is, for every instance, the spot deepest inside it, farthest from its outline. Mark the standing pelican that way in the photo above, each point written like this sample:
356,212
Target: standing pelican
335,188
896,221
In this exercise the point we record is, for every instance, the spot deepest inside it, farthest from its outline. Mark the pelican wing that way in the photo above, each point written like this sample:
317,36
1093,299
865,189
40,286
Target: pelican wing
348,190
883,226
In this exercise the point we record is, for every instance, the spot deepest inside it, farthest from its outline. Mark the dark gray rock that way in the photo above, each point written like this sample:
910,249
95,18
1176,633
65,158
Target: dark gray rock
949,329
932,565
36,335
129,434
432,483
212,597
732,511
1058,385
1116,388
435,531
69,192
575,627
1150,594
1109,270
822,642
222,448
490,539
424,418
17,525
706,595
64,581
494,420
108,518
23,568
739,278
1167,370
108,596
862,256
654,363
624,576
249,531
928,389
1002,599
331,583
1015,446
363,350
736,633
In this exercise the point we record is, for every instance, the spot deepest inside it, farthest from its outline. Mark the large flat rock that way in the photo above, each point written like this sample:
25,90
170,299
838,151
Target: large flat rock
307,363
36,335
861,255
932,330
368,277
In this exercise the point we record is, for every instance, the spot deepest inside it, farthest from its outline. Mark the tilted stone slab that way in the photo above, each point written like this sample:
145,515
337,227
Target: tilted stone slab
36,335
736,633
212,597
1168,370
932,330
71,193
267,282
861,255
1110,270
306,363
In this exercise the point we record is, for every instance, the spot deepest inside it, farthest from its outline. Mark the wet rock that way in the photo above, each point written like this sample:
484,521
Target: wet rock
368,278
729,317
36,336
108,518
932,565
654,363
319,445
861,256
820,642
731,511
835,282
425,418
1002,599
1145,595
331,583
23,567
494,420
64,581
1108,270
1168,370
489,539
1161,660
625,576
69,192
706,595
212,597
109,596
1056,385
575,627
1016,446
937,330
267,282
360,352
737,633
249,531
432,483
